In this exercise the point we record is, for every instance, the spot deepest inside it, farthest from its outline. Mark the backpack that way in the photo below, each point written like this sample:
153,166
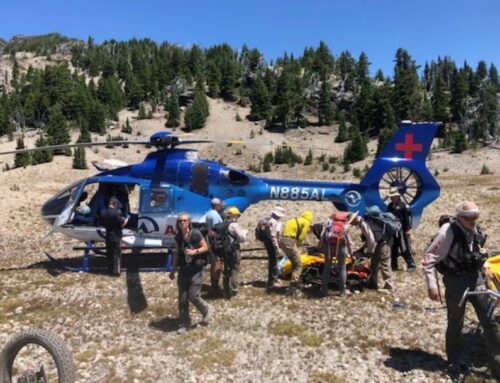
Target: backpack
222,242
336,228
262,229
471,261
384,225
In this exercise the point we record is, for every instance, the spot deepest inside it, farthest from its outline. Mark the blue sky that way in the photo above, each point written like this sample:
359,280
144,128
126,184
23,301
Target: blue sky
462,29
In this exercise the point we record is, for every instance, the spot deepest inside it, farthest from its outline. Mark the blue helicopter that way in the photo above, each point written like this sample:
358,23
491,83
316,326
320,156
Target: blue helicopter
171,180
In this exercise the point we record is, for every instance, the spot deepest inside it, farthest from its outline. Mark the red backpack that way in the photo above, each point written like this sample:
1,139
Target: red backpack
336,228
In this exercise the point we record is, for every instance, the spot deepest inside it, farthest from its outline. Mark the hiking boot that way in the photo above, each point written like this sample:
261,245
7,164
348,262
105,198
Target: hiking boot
207,317
388,286
344,293
277,283
183,326
457,368
371,285
294,291
411,267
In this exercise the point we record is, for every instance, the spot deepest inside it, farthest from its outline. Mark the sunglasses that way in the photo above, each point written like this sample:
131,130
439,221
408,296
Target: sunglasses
470,219
183,220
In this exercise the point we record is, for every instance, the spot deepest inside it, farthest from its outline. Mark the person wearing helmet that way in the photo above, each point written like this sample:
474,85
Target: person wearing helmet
295,231
232,258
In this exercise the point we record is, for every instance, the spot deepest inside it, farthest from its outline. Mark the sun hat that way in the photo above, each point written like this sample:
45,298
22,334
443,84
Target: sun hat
278,212
394,192
216,201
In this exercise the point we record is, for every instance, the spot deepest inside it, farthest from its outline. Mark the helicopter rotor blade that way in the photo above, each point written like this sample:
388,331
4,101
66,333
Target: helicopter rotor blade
270,143
77,145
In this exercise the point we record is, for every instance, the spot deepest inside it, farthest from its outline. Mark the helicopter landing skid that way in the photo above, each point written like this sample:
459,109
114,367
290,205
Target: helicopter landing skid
148,262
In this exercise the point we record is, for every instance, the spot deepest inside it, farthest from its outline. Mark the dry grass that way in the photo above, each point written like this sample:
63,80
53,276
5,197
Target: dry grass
204,352
291,329
325,377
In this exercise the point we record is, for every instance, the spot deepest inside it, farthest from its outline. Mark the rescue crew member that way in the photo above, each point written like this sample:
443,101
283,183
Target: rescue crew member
212,218
341,249
402,241
113,222
271,243
456,251
295,231
380,260
190,258
237,235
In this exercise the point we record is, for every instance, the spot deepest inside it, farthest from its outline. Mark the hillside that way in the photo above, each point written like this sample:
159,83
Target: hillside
120,329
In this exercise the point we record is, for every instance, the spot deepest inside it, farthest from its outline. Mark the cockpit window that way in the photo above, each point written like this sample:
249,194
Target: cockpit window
156,200
56,204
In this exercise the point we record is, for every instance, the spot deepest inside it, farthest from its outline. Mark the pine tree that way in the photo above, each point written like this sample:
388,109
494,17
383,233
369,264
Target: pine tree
309,158
493,76
196,113
84,135
406,86
325,107
383,138
213,80
268,160
133,92
343,134
127,128
21,160
15,74
96,118
439,102
229,76
174,112
40,157
383,116
142,112
357,149
57,128
460,142
110,94
345,68
261,102
459,90
282,111
79,161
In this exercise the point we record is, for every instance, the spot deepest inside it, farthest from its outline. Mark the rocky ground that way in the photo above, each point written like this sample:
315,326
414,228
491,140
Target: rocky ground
123,329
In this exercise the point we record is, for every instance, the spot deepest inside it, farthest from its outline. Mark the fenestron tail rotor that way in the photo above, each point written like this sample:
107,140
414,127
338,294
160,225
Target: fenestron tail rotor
405,180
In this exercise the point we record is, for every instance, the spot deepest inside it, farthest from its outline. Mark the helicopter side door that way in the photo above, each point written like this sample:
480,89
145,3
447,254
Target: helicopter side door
156,215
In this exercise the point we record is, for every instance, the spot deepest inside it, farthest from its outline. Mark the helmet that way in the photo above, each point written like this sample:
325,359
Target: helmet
308,215
233,210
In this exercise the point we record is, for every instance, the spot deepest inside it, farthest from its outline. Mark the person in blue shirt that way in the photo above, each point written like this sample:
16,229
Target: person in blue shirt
212,218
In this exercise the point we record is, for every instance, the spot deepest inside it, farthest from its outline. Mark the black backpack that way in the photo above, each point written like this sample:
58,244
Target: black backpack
384,225
262,229
222,241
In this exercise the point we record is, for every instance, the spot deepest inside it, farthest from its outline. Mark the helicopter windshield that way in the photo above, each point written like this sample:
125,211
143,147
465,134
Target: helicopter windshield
55,206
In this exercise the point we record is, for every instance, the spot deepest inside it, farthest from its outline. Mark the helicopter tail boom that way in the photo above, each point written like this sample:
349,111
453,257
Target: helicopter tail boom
401,164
